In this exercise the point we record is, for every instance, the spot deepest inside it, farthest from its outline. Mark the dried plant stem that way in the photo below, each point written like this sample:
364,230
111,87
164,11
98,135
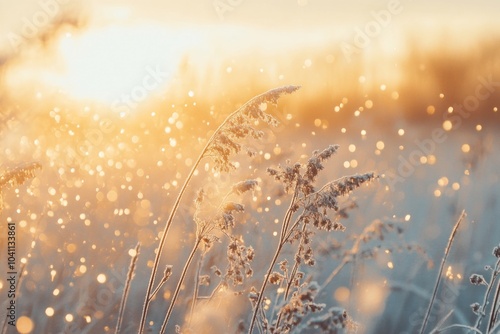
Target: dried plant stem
175,206
494,310
196,287
276,310
441,267
294,272
353,293
420,292
126,288
494,329
212,294
441,322
289,283
447,328
179,284
334,273
18,175
282,241
491,283
263,287
162,244
347,259
153,294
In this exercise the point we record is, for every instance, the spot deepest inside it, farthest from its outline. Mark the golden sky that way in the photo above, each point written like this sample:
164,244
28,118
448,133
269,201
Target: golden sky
324,19
99,49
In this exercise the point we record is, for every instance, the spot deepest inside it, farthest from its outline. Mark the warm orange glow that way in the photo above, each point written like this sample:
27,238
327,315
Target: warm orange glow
24,325
105,63
371,297
125,107
341,294
121,66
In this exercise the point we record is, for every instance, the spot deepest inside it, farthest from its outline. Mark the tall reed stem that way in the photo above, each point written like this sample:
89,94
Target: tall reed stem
289,283
159,252
482,314
443,261
273,95
196,287
494,309
263,287
179,285
286,223
126,288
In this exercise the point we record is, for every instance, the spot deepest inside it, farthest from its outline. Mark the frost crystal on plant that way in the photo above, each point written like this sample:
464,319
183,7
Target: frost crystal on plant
244,186
240,125
336,318
300,305
239,261
477,279
496,252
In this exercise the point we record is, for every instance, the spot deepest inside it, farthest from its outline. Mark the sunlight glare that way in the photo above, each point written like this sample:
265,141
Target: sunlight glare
108,63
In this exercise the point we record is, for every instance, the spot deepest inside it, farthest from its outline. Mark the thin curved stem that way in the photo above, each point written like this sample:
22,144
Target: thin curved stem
153,294
257,99
482,314
179,285
438,279
458,326
201,233
347,259
263,287
286,223
196,288
162,244
441,322
289,284
497,326
494,309
126,288
334,273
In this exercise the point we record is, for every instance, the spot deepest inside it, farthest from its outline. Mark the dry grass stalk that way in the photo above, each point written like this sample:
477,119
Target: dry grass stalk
314,206
126,288
221,145
480,310
441,267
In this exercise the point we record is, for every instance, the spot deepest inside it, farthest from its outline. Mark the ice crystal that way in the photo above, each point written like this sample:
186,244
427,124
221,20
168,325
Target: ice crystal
239,259
333,322
496,252
476,279
241,124
244,186
299,306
